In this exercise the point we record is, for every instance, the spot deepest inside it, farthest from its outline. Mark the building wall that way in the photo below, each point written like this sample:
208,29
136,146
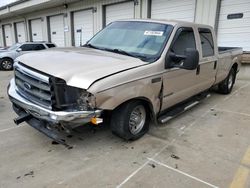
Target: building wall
205,13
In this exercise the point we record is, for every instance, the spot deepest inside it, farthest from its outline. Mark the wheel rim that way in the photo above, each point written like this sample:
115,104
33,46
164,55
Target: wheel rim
6,64
137,119
230,81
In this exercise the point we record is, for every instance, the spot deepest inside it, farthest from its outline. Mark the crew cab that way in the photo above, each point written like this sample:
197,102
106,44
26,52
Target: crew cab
135,70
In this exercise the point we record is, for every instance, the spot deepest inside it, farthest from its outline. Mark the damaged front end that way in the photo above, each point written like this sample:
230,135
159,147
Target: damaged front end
48,104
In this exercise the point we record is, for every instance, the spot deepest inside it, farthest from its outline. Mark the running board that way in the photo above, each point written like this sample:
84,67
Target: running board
176,111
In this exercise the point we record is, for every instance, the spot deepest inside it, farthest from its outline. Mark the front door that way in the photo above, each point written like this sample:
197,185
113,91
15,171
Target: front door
179,84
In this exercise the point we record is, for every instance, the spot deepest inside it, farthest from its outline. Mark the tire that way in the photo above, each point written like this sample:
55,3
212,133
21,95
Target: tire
130,121
226,86
6,64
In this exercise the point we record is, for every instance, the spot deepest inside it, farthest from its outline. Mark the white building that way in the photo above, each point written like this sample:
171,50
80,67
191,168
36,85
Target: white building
73,22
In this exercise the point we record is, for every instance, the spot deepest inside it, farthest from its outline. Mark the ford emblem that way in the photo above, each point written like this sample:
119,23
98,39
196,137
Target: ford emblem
27,86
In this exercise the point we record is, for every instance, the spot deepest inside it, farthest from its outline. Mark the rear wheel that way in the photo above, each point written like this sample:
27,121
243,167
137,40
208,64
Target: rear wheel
226,86
6,64
131,120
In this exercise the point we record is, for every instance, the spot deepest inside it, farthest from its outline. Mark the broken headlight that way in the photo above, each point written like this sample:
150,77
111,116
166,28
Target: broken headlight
85,101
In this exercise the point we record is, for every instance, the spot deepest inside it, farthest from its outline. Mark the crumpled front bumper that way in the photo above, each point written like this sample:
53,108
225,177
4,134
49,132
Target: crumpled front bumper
41,113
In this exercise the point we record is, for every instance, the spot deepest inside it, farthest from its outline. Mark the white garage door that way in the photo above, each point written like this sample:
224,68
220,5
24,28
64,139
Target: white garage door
7,35
234,24
57,30
119,11
36,30
173,9
83,26
20,32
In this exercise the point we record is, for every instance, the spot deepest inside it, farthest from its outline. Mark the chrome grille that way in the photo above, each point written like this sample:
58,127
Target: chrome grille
33,86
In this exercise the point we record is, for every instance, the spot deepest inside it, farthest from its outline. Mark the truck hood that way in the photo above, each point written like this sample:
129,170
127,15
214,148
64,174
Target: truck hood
79,67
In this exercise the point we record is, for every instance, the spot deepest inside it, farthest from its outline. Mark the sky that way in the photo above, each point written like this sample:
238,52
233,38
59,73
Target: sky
5,2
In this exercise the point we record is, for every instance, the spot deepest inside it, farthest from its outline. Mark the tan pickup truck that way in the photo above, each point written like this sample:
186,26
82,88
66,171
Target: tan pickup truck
133,71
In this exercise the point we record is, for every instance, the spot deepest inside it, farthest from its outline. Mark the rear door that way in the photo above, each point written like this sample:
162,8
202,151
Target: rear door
179,84
208,60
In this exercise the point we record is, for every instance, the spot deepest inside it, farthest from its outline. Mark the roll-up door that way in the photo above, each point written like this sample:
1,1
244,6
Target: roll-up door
36,30
56,24
173,9
83,26
123,10
20,32
7,35
234,24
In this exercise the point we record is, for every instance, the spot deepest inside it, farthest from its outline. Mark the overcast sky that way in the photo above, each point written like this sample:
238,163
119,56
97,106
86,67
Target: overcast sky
5,2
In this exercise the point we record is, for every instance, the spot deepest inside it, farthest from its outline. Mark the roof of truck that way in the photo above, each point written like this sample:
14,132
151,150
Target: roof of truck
170,22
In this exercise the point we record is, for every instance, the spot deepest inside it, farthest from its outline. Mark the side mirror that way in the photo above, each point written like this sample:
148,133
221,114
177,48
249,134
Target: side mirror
189,61
19,50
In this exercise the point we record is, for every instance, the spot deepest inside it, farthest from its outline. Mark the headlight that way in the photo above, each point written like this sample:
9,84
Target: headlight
71,98
86,101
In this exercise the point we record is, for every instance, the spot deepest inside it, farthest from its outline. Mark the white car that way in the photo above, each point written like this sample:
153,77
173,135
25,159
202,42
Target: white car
8,55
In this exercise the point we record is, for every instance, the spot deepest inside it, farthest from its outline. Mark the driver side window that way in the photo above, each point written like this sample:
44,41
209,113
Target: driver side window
184,39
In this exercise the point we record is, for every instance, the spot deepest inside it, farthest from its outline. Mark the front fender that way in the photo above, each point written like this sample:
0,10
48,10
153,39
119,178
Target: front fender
111,98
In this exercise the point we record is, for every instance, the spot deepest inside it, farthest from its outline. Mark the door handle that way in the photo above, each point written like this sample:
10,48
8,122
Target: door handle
198,70
215,64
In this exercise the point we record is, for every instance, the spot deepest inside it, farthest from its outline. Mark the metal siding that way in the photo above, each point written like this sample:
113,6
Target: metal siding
56,24
7,35
173,9
36,30
83,20
20,32
119,11
234,32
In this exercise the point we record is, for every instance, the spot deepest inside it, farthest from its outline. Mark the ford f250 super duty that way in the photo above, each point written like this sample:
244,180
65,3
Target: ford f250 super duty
133,71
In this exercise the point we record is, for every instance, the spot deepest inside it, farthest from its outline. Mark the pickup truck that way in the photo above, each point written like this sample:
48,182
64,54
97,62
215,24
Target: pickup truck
132,72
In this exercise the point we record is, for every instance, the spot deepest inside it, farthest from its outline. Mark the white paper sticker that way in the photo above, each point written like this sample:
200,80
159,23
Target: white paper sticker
153,33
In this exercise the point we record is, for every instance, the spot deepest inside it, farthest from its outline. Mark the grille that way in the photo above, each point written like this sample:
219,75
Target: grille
33,86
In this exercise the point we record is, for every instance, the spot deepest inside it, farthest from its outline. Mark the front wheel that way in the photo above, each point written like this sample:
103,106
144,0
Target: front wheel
131,120
226,86
6,64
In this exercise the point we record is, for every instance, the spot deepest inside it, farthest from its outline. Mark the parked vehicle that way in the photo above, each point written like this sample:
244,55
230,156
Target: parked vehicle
8,55
135,70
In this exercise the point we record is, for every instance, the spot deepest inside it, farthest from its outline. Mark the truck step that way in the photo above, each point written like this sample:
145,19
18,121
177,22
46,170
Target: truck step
183,107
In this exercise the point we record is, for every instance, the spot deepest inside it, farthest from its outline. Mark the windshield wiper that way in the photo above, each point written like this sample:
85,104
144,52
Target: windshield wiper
92,46
119,51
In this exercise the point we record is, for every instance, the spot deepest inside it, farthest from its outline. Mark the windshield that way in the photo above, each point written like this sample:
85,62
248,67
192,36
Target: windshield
14,46
144,40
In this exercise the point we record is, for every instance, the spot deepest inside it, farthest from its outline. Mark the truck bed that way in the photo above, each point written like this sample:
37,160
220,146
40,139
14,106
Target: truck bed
231,50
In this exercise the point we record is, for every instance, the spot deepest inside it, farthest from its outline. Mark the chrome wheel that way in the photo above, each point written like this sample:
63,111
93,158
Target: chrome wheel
137,119
6,64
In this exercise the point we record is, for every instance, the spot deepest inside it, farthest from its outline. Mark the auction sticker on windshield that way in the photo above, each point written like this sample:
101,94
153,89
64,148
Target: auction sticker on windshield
153,33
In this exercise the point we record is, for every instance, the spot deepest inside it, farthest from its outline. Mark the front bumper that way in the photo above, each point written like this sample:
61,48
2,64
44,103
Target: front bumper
75,117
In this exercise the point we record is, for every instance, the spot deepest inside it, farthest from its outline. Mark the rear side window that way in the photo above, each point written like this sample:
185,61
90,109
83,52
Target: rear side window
39,47
50,45
184,39
207,42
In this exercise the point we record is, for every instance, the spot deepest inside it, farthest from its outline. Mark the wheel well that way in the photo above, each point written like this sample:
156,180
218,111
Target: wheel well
235,67
146,103
7,58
